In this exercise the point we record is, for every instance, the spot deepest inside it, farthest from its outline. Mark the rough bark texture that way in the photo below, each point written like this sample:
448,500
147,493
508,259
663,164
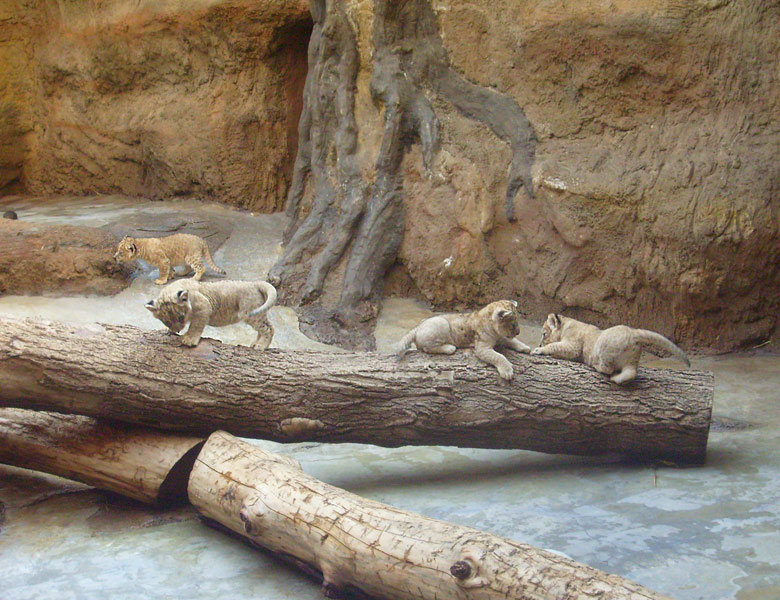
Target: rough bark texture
128,460
355,218
152,98
66,259
380,550
147,378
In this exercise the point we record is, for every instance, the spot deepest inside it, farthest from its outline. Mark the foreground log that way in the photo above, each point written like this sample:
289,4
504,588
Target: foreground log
128,460
381,550
147,378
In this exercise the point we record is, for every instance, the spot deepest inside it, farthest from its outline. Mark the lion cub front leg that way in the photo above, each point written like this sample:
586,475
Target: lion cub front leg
516,345
164,267
486,354
565,350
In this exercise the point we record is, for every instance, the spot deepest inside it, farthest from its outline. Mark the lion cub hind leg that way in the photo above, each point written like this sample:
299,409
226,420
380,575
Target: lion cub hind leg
627,374
265,331
440,349
433,336
196,264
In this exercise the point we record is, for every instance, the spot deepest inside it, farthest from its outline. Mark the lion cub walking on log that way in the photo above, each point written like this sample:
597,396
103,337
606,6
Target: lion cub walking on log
614,351
217,303
166,253
494,325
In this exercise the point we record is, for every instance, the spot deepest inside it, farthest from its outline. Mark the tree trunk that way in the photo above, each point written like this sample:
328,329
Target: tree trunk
128,460
380,550
347,210
148,378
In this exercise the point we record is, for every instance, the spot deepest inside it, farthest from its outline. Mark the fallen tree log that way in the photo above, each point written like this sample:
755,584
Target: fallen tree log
128,460
380,550
148,378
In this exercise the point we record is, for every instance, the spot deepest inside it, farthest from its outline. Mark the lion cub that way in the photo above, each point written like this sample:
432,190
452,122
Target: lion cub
614,351
494,325
217,304
165,253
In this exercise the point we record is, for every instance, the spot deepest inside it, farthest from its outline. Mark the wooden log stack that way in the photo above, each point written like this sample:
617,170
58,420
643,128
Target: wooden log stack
139,379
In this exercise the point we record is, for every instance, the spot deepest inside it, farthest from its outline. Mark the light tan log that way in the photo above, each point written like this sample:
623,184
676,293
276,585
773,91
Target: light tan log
148,378
383,551
128,460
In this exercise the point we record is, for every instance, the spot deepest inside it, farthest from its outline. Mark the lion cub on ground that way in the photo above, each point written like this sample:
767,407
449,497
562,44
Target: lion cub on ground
494,325
614,351
217,304
165,253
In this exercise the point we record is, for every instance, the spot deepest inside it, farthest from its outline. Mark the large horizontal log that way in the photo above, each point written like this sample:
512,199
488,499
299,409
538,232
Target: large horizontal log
132,461
380,550
148,378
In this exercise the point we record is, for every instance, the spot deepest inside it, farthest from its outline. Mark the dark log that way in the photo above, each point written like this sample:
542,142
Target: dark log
380,550
128,460
148,378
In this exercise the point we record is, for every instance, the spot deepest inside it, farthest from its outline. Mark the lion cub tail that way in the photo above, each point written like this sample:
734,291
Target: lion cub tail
405,345
210,261
269,292
651,338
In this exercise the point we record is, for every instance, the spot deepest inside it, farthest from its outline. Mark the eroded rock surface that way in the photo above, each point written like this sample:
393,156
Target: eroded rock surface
61,259
153,99
655,190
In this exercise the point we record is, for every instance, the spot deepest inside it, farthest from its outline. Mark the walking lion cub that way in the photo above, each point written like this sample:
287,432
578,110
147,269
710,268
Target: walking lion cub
614,351
166,253
494,325
216,303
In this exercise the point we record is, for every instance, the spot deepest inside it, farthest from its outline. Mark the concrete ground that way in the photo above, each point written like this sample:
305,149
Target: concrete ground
711,532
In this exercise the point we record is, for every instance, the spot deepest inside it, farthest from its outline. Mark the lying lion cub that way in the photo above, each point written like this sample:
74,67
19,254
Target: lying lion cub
494,325
217,304
166,253
614,351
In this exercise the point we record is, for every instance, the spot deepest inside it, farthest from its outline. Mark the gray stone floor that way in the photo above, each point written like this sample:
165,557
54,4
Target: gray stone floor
699,533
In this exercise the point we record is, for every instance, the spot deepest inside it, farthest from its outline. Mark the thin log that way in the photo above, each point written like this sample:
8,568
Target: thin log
128,460
380,550
148,378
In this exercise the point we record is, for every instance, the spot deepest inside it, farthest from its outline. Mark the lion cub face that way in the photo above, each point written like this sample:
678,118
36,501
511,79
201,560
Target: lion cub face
552,330
505,318
127,250
173,309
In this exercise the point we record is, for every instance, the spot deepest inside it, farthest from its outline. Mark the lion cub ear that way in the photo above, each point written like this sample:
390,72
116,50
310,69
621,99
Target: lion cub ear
150,306
182,296
554,321
503,314
514,303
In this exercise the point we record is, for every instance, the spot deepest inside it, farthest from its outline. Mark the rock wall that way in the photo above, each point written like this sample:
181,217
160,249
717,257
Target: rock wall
153,98
615,161
651,195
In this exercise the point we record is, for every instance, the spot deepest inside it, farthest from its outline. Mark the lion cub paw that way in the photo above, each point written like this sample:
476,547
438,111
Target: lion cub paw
506,371
189,341
160,281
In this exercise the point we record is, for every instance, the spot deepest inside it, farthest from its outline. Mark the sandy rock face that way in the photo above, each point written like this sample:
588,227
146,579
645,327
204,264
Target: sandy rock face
156,99
62,259
656,186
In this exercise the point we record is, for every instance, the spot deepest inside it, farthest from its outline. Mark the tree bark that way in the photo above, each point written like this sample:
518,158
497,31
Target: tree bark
354,213
128,460
380,550
148,378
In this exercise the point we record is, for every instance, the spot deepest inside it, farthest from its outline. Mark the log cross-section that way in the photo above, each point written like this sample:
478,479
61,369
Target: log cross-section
148,378
383,551
133,461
